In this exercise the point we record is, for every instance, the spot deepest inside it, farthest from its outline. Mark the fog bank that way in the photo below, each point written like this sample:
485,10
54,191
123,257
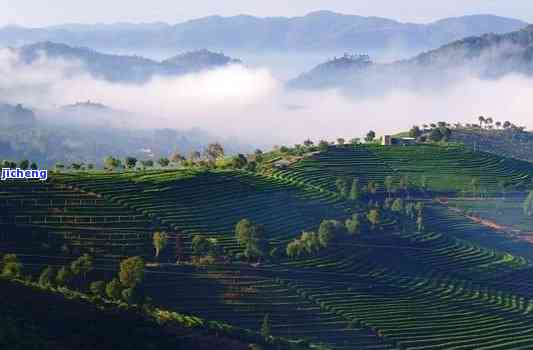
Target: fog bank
253,105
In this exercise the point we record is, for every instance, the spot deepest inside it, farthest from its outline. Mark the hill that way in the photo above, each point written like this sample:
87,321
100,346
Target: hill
487,57
36,317
122,68
87,132
317,31
510,142
420,276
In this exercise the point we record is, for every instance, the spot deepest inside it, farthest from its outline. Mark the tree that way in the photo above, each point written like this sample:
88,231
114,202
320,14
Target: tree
404,183
498,124
397,206
163,162
252,238
353,224
415,132
342,187
341,141
131,271
372,187
308,143
98,288
435,135
389,185
25,164
474,183
194,156
82,266
64,275
111,163
179,251
266,327
239,161
481,120
46,278
147,163
374,217
160,241
293,249
355,191
506,124
370,136
11,267
33,166
424,182
258,244
213,152
114,289
355,141
323,145
131,295
130,162
176,158
328,231
528,205
243,231
420,223
200,245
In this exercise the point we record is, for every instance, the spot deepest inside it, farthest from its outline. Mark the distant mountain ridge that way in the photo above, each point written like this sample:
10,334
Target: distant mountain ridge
123,68
316,31
487,56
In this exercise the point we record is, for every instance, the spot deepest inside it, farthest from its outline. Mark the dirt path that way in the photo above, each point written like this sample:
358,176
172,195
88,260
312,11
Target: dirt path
510,230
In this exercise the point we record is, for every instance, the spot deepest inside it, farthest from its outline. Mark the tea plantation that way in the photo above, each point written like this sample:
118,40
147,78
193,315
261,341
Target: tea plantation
453,284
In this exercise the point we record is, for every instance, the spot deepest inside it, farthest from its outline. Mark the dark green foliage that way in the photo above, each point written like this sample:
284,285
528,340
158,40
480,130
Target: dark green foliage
24,164
131,271
113,289
130,162
163,162
354,224
342,186
239,161
355,191
98,288
370,136
266,327
63,276
11,267
47,277
323,145
252,238
528,204
329,230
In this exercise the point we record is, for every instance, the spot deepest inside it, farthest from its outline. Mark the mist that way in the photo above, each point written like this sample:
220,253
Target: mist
252,105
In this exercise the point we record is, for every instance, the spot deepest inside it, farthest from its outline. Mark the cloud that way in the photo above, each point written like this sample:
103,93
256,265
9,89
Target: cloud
252,105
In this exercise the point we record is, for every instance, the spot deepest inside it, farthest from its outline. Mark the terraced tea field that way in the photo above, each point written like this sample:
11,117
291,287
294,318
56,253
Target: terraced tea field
508,212
445,169
45,217
455,285
211,203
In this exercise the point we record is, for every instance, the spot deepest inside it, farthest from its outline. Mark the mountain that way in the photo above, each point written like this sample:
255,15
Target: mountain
123,68
88,132
488,56
15,116
200,59
316,31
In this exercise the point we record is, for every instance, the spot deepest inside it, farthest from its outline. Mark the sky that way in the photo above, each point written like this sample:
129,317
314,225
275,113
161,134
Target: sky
36,13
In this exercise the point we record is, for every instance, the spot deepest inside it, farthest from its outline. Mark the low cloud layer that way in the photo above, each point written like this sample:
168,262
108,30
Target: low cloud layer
253,105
